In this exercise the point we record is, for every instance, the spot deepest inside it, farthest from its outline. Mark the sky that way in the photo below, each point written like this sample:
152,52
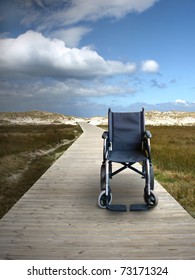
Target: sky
81,57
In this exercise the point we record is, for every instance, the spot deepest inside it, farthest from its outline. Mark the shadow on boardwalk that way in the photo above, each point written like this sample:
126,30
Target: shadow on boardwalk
58,218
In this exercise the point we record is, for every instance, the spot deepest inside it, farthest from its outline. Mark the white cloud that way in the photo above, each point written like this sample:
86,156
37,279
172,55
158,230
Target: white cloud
181,101
71,96
33,54
71,36
96,9
74,11
150,66
63,89
57,15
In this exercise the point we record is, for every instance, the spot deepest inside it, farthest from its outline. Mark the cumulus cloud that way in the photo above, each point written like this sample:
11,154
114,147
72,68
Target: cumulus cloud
150,66
35,55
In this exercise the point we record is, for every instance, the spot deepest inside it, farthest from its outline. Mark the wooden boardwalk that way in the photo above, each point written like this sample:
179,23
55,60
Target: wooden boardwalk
58,218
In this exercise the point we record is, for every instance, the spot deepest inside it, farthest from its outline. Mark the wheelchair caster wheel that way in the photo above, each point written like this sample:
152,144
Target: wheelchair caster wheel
102,199
151,200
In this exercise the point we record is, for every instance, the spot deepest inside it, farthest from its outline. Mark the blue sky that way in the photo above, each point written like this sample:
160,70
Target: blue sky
80,57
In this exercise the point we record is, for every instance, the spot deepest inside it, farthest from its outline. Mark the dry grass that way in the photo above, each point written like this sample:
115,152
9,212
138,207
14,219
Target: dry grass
173,152
15,139
26,152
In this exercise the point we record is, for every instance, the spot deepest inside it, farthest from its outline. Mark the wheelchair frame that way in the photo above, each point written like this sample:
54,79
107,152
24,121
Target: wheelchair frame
105,197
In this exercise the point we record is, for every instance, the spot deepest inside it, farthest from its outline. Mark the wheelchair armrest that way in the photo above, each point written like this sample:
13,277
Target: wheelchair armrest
105,135
148,134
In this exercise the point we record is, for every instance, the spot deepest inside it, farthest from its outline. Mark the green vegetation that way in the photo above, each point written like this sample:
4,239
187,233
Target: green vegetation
26,152
15,139
173,152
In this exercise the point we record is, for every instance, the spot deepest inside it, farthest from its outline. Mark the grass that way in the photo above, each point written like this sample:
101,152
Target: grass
15,139
26,152
173,152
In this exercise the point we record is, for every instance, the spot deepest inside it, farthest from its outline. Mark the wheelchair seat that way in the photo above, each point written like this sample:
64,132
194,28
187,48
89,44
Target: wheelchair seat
127,156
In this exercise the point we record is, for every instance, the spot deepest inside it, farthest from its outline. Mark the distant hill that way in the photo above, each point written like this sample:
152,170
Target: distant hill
43,117
170,118
159,118
36,117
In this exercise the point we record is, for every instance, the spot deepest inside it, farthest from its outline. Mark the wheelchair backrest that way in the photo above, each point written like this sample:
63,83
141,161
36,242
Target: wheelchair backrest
126,130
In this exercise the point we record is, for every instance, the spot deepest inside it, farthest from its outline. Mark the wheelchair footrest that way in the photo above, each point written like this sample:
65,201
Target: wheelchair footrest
117,207
138,207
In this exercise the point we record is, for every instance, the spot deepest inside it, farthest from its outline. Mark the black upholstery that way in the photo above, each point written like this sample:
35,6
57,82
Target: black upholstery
126,132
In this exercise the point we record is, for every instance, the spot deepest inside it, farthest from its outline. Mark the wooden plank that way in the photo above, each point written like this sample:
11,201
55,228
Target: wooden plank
58,218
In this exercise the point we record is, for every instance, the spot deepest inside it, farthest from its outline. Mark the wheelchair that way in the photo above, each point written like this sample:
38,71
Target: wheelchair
127,142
